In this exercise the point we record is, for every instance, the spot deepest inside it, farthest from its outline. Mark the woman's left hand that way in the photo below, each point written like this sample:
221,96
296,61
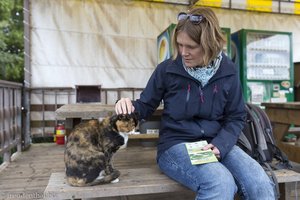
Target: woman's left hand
214,149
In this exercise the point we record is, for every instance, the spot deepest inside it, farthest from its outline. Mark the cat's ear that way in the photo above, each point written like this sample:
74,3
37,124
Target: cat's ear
135,117
113,121
114,118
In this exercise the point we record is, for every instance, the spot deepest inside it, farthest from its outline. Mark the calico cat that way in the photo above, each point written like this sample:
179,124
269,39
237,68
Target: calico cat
90,147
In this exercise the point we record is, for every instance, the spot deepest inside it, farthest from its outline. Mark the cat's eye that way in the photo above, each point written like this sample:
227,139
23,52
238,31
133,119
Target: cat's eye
123,117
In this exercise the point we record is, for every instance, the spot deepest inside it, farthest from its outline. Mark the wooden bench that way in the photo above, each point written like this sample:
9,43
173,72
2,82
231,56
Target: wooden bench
137,181
139,176
134,181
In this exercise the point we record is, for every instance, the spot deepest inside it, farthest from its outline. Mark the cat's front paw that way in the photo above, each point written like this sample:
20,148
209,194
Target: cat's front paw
115,181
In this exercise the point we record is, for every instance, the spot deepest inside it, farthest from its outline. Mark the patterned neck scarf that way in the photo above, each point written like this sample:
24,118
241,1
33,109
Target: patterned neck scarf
203,74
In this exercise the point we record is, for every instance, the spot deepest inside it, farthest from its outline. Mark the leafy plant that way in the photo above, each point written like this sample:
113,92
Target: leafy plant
11,40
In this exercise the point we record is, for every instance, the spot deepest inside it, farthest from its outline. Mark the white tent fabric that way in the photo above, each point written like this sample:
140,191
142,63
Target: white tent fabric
95,42
113,42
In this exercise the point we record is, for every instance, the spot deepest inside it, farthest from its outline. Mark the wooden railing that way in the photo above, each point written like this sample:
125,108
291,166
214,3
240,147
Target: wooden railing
132,93
18,126
10,120
43,103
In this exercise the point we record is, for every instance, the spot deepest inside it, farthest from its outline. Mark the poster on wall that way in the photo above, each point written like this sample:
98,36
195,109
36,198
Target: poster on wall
164,44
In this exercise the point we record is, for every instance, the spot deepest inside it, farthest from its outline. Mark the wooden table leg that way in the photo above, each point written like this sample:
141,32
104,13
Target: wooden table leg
292,151
286,191
70,123
279,130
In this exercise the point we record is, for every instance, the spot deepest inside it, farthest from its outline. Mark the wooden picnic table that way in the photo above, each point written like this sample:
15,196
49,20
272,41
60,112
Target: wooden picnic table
84,111
74,113
282,116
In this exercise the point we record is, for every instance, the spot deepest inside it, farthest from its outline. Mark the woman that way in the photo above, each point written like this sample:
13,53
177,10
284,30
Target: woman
203,100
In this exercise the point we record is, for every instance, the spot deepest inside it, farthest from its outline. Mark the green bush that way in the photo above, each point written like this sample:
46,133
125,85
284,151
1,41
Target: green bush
42,139
11,40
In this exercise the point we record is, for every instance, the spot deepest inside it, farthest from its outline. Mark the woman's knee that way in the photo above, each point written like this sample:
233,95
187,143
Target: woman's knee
221,185
263,188
223,181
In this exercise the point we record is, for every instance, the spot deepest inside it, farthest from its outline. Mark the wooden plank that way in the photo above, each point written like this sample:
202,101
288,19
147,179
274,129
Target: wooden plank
284,115
89,111
45,156
44,107
287,105
84,111
133,181
149,181
29,183
287,176
42,123
29,172
292,151
143,136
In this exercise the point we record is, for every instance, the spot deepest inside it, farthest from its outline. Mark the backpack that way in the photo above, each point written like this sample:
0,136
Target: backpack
257,140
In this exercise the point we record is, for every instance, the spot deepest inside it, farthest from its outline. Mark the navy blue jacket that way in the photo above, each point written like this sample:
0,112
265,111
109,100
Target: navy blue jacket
215,112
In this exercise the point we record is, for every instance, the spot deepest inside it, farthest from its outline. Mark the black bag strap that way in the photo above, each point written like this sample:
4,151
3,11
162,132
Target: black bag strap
284,162
259,133
265,122
273,178
243,140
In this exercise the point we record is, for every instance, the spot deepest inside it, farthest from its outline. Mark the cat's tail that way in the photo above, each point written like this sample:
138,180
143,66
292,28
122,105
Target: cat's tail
105,178
102,179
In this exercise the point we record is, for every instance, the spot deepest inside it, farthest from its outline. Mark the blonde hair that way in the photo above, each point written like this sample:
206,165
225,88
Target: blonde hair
207,33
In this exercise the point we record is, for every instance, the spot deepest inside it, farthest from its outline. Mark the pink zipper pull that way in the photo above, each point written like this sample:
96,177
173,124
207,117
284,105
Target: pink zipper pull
188,93
201,95
215,89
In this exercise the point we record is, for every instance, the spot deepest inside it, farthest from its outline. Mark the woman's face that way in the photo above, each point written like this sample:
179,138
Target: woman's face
190,51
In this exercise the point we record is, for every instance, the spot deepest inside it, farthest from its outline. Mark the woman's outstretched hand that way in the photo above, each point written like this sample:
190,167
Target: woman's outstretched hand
124,106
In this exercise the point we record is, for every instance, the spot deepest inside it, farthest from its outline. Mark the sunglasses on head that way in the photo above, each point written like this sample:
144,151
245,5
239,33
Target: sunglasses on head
195,19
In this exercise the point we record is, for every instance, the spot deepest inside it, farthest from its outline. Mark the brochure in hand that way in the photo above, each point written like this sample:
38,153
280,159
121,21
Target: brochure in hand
199,156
